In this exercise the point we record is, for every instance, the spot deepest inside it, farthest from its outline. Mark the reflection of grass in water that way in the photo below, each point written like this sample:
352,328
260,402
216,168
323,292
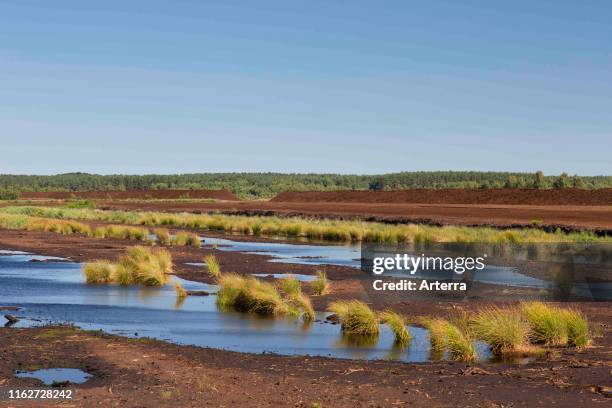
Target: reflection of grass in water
358,340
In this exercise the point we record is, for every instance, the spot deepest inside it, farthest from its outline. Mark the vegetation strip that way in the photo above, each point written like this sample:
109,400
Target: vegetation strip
328,230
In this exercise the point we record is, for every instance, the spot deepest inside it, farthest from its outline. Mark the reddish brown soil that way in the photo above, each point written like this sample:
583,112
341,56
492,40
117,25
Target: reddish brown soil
598,218
138,194
147,373
152,373
568,196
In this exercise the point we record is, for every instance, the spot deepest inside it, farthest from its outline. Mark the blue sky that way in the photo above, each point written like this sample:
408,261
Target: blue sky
305,86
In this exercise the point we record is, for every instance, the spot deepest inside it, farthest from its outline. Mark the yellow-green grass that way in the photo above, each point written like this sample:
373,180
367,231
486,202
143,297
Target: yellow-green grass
291,286
577,327
122,232
139,265
99,271
163,236
330,230
251,295
356,317
300,305
397,324
459,343
548,325
214,269
437,334
505,330
183,238
320,286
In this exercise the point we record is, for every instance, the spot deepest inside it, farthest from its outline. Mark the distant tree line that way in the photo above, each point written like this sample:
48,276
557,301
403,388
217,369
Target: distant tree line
265,185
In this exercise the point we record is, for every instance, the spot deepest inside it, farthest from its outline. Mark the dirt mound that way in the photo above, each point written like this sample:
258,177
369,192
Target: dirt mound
141,194
568,196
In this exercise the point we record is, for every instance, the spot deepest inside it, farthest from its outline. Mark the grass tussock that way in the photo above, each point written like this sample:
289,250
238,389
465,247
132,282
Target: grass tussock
122,232
548,324
328,230
251,295
163,236
300,305
186,239
100,271
356,317
459,343
506,330
556,326
577,328
437,335
398,325
214,269
139,265
291,286
320,286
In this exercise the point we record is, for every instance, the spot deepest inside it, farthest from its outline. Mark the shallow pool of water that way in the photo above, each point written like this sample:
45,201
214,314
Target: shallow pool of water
56,293
48,376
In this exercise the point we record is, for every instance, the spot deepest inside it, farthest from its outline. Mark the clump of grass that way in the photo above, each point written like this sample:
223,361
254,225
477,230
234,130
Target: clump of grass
230,286
506,331
145,266
577,327
320,285
356,317
548,324
437,334
181,293
214,269
163,236
459,343
291,286
100,271
300,305
398,325
122,232
259,297
251,295
186,239
79,204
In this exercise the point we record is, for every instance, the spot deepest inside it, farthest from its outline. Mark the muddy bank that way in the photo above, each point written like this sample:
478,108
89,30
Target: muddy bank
567,218
513,196
141,372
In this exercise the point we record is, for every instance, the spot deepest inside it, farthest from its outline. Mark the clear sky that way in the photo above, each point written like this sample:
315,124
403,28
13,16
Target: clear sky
305,86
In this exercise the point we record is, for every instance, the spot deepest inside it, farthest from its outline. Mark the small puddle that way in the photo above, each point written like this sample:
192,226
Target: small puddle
51,376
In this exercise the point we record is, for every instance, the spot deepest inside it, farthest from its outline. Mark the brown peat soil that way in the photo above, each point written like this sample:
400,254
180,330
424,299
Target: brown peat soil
145,373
